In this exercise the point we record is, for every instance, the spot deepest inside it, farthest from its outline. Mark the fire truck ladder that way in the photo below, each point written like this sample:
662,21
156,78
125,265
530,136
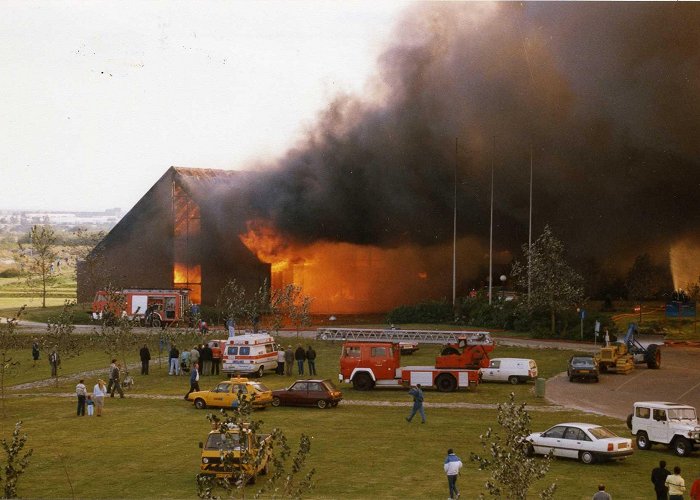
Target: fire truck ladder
420,336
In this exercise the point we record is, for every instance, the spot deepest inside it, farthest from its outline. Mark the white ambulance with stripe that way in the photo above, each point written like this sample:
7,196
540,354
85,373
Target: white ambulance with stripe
250,354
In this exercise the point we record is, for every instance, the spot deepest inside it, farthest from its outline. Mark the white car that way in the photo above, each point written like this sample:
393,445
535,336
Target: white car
585,442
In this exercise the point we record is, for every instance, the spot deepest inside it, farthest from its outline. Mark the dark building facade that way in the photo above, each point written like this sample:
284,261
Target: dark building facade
183,233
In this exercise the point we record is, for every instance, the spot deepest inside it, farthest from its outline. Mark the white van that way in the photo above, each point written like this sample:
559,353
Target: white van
250,354
513,370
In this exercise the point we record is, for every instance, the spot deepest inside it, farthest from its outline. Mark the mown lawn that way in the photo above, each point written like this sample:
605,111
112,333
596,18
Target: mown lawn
148,448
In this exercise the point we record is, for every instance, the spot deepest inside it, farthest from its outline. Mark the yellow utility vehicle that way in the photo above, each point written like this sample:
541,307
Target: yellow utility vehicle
225,394
239,454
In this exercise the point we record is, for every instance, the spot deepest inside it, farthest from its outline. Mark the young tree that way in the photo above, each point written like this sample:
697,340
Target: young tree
59,337
292,303
116,333
39,259
232,303
508,457
555,286
15,464
9,342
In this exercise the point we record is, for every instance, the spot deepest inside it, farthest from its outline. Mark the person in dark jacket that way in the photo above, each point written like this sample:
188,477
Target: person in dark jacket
174,358
300,356
206,357
194,380
288,358
35,351
658,479
145,355
311,358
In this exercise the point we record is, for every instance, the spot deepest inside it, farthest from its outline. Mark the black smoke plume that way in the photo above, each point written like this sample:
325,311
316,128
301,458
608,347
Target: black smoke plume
605,95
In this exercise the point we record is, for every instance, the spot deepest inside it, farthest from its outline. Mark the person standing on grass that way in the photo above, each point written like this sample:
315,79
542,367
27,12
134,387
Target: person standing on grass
452,467
81,392
658,479
145,355
55,362
35,351
194,379
115,380
288,360
174,359
311,358
601,494
280,362
417,394
675,484
206,358
300,356
98,395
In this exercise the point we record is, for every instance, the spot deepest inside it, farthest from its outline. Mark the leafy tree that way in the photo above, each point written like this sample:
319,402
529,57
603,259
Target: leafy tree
234,303
283,479
59,336
16,464
116,332
39,259
9,342
508,457
291,303
555,285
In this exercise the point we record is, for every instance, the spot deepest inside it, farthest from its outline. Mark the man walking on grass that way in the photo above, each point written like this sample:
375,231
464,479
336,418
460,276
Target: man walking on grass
452,467
417,394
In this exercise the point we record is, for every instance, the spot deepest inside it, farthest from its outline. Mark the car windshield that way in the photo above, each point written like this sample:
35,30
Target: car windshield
226,442
260,387
601,433
682,414
582,362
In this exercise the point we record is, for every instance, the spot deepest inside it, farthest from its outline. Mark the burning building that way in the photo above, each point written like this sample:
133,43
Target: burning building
176,236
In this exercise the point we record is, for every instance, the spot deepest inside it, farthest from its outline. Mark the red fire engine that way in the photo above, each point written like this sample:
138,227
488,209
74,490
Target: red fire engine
370,363
155,307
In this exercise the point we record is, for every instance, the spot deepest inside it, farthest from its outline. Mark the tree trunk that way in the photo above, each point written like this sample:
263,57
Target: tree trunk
554,322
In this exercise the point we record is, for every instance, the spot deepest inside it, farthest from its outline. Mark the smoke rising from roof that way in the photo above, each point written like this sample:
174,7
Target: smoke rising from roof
605,94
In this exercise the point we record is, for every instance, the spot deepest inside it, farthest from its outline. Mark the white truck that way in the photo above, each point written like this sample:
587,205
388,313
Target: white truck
672,424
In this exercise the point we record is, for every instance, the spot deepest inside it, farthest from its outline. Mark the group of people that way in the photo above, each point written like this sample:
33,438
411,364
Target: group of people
208,360
286,358
672,486
93,402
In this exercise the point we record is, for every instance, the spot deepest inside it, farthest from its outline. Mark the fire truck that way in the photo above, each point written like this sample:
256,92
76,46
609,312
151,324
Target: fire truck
155,307
369,364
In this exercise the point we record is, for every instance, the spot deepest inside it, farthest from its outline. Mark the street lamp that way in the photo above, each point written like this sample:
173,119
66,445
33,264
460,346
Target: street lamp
503,279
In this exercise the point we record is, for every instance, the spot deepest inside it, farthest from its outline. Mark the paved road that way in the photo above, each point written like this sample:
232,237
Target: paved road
678,380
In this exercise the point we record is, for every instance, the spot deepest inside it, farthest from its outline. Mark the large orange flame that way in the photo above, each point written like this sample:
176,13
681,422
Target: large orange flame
344,278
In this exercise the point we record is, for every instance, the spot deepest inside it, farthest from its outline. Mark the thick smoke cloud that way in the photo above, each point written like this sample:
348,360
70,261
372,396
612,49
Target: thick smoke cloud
604,94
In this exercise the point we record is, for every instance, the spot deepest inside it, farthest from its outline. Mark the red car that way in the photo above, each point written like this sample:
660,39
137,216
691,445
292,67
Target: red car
321,393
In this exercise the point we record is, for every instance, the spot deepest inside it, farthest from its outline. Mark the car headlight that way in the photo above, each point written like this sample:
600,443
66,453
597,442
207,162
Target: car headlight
205,460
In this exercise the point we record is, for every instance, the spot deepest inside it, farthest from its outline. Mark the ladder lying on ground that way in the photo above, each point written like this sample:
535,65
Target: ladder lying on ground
392,335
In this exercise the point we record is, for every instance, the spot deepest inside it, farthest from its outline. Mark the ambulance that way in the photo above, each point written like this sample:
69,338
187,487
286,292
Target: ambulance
251,353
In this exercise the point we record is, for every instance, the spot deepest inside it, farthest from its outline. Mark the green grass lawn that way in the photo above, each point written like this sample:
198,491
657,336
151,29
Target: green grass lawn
148,448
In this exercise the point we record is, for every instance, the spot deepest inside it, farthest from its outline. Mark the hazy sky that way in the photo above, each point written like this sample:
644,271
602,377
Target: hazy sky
98,99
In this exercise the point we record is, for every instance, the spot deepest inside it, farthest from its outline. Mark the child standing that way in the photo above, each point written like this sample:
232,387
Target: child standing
90,406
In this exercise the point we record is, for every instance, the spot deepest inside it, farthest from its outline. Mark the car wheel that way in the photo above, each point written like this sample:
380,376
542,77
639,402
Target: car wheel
643,442
529,450
596,379
586,457
276,401
629,421
362,382
200,404
260,371
571,378
155,322
513,380
603,368
322,403
446,383
682,446
653,356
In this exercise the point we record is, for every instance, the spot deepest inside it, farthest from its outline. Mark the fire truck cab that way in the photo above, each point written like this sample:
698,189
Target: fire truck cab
369,364
156,307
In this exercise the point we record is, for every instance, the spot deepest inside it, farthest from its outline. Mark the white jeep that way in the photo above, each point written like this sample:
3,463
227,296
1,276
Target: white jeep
667,423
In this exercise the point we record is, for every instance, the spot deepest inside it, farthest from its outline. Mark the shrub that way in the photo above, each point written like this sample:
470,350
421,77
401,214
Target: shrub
11,272
424,312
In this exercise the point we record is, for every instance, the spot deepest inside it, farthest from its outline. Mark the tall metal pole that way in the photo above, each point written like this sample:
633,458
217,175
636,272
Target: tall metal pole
454,234
493,160
529,240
